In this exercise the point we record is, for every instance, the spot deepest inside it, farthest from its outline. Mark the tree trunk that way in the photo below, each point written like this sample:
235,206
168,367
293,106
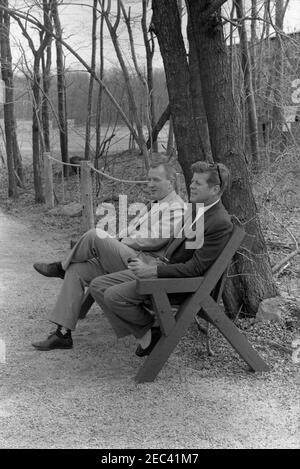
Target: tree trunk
251,277
12,181
196,91
253,42
166,21
248,86
45,97
14,161
149,47
100,94
36,132
165,116
277,114
46,66
91,84
61,89
131,98
170,144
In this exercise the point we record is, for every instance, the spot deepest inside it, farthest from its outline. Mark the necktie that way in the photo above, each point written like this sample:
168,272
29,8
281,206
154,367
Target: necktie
179,234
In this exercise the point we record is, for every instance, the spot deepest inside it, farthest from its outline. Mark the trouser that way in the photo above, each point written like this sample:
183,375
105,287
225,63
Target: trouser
91,256
116,295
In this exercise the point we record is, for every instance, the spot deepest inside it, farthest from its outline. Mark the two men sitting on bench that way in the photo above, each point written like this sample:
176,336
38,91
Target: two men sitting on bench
102,263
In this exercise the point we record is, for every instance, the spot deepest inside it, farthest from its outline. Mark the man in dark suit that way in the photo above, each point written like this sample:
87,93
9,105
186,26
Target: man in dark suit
116,293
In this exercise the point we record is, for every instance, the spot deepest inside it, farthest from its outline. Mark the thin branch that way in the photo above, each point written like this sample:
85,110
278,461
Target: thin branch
278,266
25,34
290,256
133,54
227,20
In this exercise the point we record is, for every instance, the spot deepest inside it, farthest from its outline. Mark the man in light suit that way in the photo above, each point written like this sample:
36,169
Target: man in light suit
116,293
97,253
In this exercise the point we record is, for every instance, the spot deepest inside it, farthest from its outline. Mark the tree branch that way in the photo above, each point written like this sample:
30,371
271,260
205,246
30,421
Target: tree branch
285,8
160,123
132,48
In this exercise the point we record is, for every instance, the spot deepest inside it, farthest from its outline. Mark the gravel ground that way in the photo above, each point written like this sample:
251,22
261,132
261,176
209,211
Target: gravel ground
87,398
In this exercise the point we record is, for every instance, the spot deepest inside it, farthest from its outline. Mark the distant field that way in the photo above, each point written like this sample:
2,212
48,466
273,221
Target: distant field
76,139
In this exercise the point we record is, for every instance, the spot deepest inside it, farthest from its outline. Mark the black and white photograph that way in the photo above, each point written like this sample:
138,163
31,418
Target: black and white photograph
149,228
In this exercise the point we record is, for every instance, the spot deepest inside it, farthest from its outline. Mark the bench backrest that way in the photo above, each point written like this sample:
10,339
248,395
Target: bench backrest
214,277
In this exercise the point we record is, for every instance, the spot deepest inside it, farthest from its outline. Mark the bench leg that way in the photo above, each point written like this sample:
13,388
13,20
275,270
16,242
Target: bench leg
238,341
165,346
163,349
158,357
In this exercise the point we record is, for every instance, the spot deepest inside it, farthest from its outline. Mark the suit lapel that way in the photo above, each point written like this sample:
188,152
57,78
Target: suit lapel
174,243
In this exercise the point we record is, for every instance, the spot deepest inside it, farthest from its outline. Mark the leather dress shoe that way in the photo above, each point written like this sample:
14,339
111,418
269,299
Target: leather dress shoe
53,269
155,336
53,341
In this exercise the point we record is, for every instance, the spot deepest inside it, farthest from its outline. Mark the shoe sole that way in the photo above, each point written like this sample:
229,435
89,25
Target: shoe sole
43,349
47,275
142,353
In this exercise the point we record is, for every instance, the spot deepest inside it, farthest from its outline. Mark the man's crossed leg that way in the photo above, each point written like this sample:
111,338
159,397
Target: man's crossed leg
91,257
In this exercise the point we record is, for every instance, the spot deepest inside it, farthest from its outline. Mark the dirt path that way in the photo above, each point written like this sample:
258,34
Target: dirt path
87,398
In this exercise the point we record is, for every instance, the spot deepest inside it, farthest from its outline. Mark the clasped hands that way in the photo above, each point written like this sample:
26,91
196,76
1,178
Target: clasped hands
141,269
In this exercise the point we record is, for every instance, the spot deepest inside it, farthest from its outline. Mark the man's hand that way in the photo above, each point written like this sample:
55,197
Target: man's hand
141,269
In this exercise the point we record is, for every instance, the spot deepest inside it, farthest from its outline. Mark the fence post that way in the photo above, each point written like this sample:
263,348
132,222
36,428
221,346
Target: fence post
86,196
49,194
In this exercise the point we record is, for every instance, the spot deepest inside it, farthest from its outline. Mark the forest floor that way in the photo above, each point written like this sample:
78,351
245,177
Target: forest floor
87,397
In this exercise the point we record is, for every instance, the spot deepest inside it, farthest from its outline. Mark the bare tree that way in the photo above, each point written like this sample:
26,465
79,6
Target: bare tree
277,117
37,136
167,26
196,91
100,91
14,162
46,66
6,73
91,84
248,85
61,86
149,48
112,28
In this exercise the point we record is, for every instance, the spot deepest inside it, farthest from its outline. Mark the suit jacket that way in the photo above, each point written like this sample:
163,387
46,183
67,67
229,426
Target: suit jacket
146,232
193,263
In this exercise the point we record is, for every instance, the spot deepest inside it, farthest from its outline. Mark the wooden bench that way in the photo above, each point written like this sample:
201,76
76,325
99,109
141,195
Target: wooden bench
203,295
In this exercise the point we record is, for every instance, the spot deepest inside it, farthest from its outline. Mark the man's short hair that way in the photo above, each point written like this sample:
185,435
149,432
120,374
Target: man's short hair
218,173
161,160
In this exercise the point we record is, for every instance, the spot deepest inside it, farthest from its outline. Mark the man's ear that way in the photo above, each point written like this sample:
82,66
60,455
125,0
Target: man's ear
217,189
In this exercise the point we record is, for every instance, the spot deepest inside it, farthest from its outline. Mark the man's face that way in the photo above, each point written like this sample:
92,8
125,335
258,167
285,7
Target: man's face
201,192
159,185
